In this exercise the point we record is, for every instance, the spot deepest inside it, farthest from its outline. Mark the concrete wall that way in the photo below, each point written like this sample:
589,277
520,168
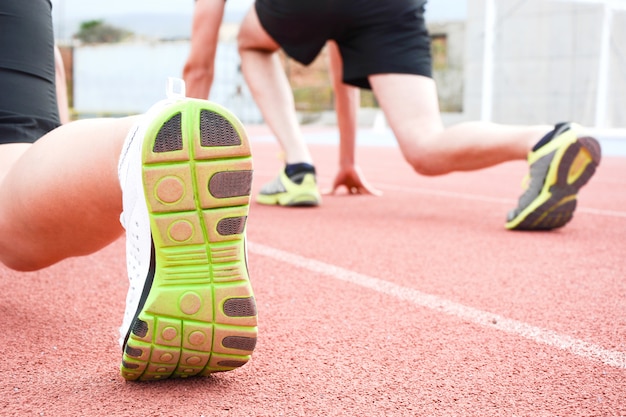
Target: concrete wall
616,107
546,62
450,79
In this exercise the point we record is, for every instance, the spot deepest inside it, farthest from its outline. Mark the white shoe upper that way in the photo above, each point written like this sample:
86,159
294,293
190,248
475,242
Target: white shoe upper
134,217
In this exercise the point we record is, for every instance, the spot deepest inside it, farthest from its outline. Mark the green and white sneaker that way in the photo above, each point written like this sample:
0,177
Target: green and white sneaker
186,175
560,164
300,190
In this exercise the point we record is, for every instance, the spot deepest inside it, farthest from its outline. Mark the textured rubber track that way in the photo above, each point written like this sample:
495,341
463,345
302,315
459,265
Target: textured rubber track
197,314
569,170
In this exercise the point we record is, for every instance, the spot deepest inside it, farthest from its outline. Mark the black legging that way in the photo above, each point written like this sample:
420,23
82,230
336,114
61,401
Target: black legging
28,104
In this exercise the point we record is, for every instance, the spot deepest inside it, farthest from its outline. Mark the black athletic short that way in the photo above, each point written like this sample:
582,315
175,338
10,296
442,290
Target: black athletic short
374,36
28,103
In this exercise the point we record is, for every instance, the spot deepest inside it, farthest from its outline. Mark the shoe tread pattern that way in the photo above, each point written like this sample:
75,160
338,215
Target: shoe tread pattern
556,201
187,325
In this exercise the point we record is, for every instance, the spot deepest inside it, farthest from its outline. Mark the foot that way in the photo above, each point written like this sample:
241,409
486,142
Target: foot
560,165
186,173
299,189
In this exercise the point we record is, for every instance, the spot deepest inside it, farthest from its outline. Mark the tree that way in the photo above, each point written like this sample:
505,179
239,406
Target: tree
97,31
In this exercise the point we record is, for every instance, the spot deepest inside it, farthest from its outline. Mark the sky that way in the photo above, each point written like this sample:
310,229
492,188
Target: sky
82,9
171,18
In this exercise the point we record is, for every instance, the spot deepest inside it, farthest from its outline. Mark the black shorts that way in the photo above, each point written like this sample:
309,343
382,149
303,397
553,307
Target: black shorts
374,36
28,103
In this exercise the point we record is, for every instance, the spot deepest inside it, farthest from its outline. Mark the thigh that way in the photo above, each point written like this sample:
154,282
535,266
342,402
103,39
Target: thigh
252,34
28,105
411,106
301,27
385,37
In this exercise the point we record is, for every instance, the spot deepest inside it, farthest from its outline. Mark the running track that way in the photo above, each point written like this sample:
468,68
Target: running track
416,303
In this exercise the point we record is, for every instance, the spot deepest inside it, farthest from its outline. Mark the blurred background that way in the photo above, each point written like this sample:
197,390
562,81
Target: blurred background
508,61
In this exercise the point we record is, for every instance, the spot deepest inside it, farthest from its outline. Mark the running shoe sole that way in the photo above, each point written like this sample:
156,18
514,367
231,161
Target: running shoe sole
570,168
197,313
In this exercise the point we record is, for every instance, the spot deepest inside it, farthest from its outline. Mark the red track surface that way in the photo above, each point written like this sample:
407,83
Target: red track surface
416,303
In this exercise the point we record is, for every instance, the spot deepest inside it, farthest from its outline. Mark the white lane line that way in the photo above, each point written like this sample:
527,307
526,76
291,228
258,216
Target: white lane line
449,194
570,344
487,199
462,196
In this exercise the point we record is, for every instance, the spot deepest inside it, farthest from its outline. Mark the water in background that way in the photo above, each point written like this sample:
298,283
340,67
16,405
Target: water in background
127,78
